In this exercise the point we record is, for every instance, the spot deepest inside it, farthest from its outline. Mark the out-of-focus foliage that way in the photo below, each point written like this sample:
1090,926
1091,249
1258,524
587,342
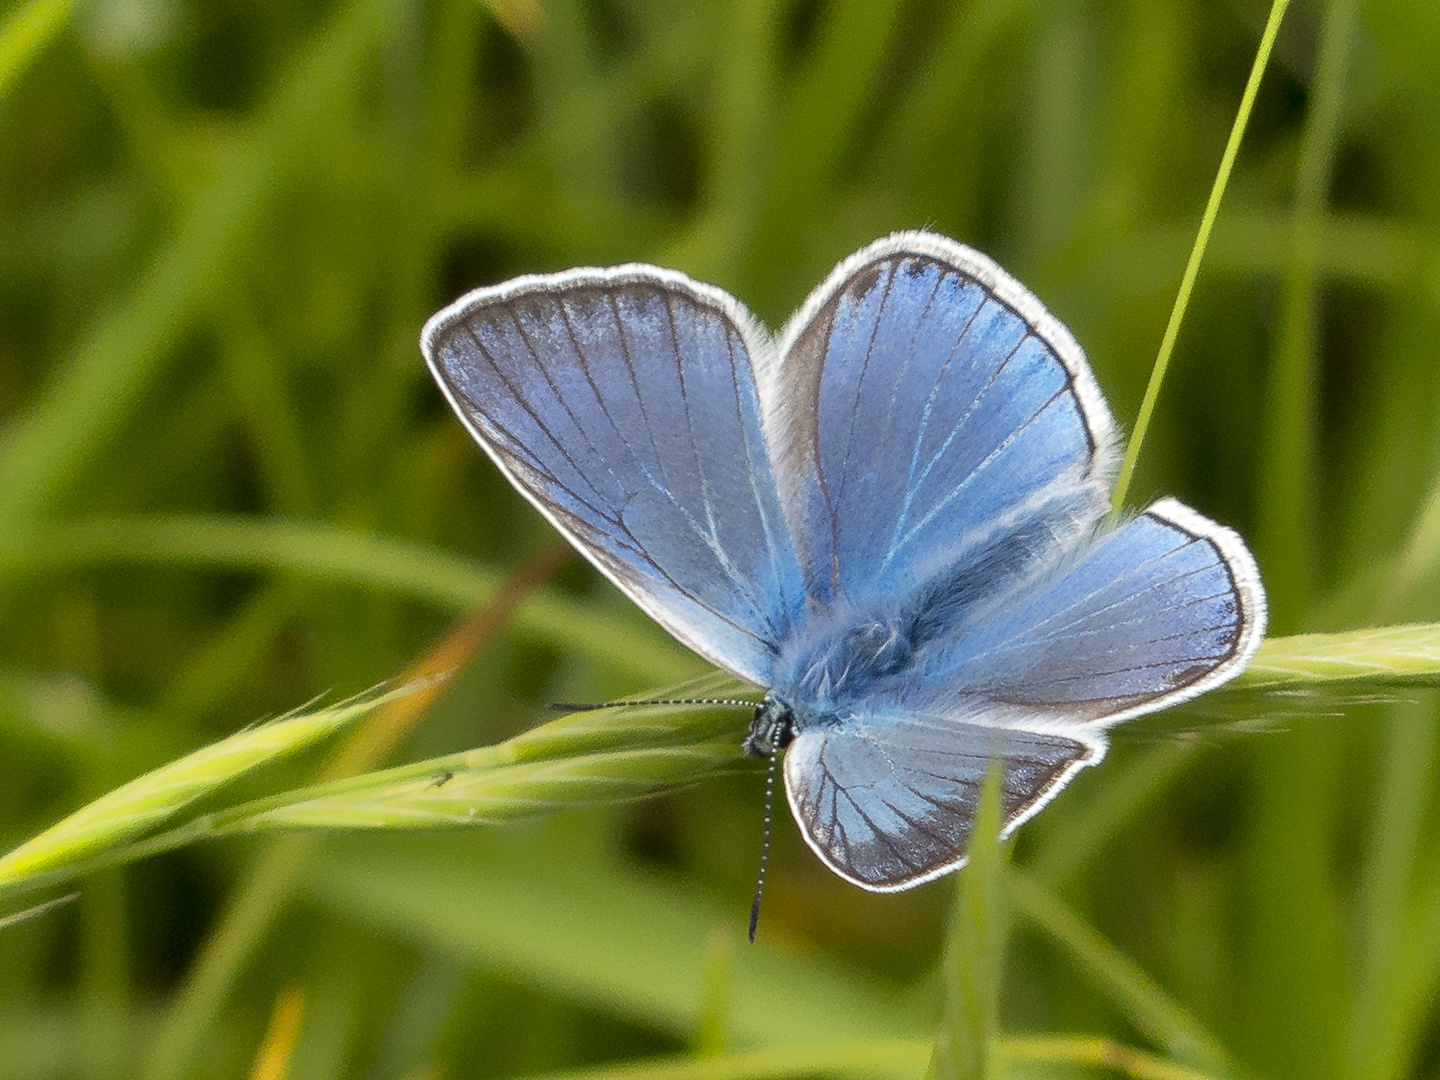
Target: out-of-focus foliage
227,487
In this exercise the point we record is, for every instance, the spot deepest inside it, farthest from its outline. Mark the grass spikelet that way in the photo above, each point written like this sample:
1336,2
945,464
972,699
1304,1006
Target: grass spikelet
1388,655
137,808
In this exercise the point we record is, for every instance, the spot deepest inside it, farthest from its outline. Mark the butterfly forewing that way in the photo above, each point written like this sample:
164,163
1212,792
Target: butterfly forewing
928,407
623,403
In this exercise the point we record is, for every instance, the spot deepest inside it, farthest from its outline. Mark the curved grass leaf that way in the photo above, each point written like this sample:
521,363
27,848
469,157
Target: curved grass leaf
579,924
343,556
1022,1056
25,33
1148,1006
136,808
1081,1051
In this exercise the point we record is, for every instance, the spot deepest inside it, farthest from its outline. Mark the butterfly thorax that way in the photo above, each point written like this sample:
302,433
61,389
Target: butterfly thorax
818,680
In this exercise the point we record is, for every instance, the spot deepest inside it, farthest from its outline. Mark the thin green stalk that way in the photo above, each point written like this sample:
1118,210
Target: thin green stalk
36,910
974,948
1197,252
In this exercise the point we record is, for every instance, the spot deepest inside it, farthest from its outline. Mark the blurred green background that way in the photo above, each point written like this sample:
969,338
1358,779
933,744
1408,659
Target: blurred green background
221,227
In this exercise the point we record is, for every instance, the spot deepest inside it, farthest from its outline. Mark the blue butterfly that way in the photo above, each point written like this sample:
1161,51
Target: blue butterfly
890,517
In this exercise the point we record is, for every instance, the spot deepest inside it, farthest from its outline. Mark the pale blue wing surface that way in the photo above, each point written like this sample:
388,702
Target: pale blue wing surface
890,804
931,409
1160,609
623,403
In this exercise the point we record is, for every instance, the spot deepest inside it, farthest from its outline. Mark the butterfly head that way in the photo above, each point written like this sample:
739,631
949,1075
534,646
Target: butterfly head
772,729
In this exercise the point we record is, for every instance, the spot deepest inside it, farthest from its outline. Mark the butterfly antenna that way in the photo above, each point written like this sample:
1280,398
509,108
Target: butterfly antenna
765,844
570,706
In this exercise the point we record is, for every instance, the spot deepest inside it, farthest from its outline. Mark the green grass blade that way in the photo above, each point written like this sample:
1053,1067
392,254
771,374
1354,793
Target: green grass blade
25,34
89,397
898,1058
136,808
567,917
1071,840
1409,994
935,100
1148,1006
335,554
242,925
1389,961
1197,252
974,948
894,1058
819,113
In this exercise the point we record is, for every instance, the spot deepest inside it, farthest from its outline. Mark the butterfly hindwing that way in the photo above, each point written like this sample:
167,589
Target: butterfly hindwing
623,403
1156,611
889,804
929,406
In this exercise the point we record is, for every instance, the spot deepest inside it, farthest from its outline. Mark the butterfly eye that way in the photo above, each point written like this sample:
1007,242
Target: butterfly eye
772,730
